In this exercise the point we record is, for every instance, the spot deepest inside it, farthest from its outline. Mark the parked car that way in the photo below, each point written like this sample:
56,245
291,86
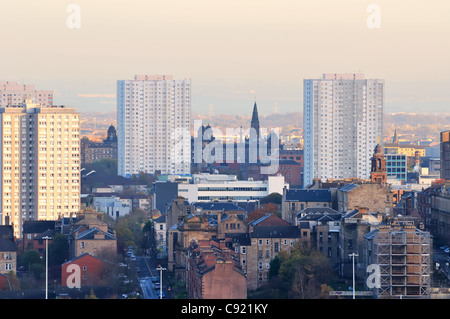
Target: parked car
155,279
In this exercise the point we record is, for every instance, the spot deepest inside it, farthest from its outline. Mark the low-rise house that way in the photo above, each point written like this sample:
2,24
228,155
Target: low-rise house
322,227
377,197
8,251
85,270
267,236
89,234
212,272
95,242
40,242
354,226
33,228
160,233
295,200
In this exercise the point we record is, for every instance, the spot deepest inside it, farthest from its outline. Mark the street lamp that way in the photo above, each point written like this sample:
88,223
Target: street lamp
353,255
89,173
160,280
46,265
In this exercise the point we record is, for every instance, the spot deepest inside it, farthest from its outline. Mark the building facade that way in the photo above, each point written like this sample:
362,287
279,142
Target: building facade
445,155
15,94
97,151
205,188
8,250
296,200
153,119
403,254
92,271
396,165
40,161
212,272
343,120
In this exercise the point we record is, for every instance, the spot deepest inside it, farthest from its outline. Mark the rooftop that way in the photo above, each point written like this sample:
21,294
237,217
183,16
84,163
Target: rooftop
308,195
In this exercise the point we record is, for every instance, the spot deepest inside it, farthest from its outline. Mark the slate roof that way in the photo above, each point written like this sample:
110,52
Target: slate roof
242,238
303,225
348,187
351,214
161,219
275,232
319,213
287,162
90,234
48,232
269,220
217,206
7,238
308,195
37,226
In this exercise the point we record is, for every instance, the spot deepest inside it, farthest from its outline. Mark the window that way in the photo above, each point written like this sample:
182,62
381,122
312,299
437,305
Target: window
82,245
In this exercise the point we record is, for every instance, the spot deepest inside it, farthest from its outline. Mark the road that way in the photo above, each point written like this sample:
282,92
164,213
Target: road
439,256
147,271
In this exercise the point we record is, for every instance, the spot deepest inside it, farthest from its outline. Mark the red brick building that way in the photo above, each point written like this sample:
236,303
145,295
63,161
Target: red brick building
212,272
296,155
89,268
290,169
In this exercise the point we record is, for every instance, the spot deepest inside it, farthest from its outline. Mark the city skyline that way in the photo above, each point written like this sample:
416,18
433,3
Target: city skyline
234,52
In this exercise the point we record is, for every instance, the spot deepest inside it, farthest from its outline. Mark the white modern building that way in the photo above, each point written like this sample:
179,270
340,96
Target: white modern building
40,163
112,206
153,121
343,122
205,188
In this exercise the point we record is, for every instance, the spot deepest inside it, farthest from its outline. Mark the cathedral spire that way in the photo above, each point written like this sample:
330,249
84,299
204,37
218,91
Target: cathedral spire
255,120
395,138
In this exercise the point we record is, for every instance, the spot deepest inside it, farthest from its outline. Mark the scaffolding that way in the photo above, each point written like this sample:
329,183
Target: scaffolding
403,254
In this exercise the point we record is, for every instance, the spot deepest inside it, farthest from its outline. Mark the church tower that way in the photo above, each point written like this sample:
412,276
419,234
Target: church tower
378,171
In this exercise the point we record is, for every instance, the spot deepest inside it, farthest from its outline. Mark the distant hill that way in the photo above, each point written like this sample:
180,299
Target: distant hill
413,126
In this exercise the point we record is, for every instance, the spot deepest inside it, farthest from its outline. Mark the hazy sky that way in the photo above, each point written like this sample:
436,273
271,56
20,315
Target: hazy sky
232,50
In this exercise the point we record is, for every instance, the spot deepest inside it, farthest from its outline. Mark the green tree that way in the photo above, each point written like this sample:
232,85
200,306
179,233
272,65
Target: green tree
124,237
37,270
305,270
58,250
30,257
58,253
